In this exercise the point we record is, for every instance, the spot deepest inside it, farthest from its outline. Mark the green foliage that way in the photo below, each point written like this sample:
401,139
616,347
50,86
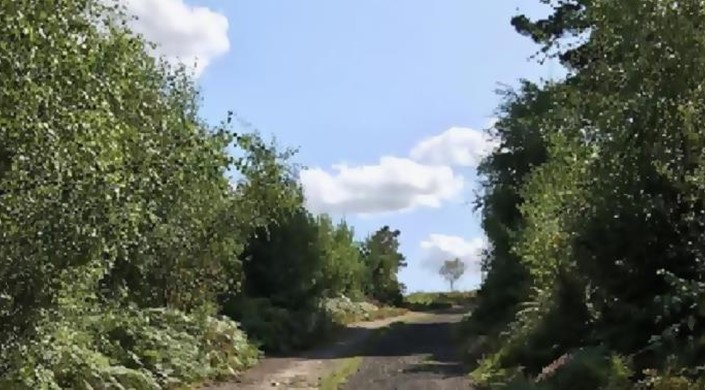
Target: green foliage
452,270
279,329
380,254
283,261
587,369
603,223
299,258
111,186
522,148
568,20
343,310
668,380
295,269
421,301
120,230
133,348
342,269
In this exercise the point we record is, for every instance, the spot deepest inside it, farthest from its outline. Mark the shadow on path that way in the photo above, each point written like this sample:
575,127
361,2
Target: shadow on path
414,351
416,336
422,354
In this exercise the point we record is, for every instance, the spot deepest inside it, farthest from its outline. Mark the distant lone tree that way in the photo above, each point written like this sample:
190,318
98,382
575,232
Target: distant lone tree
452,270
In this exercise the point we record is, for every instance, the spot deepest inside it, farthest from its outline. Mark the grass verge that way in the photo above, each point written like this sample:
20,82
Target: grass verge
343,371
423,301
348,366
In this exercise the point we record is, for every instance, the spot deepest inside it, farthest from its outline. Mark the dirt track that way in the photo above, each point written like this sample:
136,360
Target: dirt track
417,355
415,351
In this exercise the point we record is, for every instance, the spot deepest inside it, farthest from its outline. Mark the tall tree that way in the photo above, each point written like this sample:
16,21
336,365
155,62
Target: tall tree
109,177
113,198
612,220
569,20
383,260
342,266
282,262
522,148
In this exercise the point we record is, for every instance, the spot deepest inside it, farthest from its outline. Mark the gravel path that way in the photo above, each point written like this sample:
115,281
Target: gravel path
304,371
416,355
415,351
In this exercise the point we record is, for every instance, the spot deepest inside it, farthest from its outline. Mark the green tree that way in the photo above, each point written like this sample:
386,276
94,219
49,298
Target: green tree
522,148
452,270
560,33
301,258
380,253
282,262
107,164
113,199
343,269
612,218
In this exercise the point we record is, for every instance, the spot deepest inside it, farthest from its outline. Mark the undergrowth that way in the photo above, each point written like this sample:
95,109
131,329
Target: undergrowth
129,348
279,330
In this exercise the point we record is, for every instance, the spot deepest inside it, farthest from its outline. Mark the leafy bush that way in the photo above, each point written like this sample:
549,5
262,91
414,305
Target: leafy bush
382,259
116,206
273,328
343,310
588,369
277,329
668,380
594,203
432,301
114,200
139,349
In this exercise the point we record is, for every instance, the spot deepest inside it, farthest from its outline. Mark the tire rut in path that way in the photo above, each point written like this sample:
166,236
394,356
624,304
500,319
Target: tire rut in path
418,355
302,371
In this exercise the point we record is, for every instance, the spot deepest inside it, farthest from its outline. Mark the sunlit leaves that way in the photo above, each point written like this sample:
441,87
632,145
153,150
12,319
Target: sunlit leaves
619,203
112,189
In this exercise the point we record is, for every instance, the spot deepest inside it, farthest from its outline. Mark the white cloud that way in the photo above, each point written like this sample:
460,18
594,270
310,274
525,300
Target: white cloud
426,179
393,184
459,146
440,247
184,33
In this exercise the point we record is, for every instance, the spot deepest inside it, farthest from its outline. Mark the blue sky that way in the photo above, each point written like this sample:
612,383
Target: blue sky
362,88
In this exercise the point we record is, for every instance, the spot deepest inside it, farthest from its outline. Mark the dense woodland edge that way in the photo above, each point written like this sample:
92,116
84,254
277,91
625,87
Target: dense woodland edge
594,206
130,259
141,247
